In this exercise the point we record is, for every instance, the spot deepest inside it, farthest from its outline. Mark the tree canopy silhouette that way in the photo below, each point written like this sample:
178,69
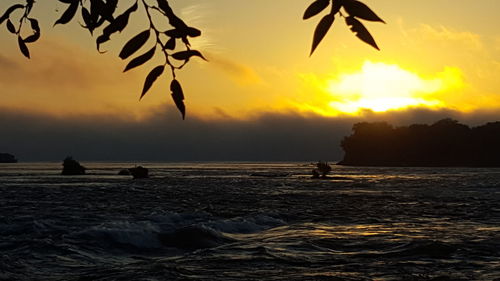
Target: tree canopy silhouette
100,18
444,143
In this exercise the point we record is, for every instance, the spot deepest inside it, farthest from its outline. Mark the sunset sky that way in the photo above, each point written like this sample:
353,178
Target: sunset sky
436,56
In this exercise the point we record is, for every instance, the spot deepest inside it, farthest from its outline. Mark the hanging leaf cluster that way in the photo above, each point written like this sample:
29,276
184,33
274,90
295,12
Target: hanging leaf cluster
101,19
25,22
351,10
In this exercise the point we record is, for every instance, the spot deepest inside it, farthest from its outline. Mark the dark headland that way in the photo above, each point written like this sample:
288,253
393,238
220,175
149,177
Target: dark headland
7,158
445,143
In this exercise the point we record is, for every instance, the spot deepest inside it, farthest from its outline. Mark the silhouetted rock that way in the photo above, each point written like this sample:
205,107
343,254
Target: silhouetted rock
444,143
321,171
124,172
7,158
139,172
72,167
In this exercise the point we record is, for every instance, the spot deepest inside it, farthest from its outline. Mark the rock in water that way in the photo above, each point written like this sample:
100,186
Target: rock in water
72,167
322,169
124,172
139,172
7,158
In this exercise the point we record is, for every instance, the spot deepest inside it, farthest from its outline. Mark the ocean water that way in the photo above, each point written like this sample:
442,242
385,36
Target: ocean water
248,221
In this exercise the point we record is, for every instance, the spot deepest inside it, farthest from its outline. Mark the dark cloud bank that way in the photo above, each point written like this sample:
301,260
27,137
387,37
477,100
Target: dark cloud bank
164,137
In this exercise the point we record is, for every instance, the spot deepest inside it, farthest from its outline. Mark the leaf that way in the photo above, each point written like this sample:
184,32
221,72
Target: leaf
116,25
337,4
170,45
178,97
134,44
34,25
193,32
176,33
360,10
151,78
361,32
32,38
186,55
101,12
174,20
121,21
36,31
9,11
323,26
68,14
107,11
140,59
97,8
11,27
22,46
315,8
101,39
87,18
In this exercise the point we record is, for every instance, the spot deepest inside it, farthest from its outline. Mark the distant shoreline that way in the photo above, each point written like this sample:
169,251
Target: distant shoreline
445,143
411,166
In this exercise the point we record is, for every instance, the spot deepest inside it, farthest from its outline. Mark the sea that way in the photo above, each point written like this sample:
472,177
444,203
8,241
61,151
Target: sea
249,221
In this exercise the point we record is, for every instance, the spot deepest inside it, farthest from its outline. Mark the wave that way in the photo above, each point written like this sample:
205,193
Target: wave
122,234
186,232
246,225
194,237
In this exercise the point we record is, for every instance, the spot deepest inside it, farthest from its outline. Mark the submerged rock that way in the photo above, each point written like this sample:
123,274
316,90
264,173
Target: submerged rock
7,158
139,172
72,167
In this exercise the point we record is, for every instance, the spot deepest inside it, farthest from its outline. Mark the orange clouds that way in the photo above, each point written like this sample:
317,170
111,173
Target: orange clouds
63,78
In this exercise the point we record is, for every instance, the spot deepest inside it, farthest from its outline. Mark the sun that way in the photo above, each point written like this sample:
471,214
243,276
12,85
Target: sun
381,87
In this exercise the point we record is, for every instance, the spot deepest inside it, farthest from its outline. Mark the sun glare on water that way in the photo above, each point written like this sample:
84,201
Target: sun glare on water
380,87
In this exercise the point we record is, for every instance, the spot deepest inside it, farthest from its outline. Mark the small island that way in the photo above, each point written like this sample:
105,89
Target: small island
446,143
7,158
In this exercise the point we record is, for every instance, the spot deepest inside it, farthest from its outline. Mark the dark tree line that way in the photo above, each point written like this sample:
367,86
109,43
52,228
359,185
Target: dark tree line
167,34
444,143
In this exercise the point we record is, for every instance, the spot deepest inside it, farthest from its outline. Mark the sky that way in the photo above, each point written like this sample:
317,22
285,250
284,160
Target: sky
260,96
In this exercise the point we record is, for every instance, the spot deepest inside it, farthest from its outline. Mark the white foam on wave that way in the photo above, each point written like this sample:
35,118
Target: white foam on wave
246,225
170,221
143,235
183,231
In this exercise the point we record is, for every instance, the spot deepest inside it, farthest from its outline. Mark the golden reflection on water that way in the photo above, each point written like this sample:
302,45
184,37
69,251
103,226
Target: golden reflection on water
397,231
351,230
